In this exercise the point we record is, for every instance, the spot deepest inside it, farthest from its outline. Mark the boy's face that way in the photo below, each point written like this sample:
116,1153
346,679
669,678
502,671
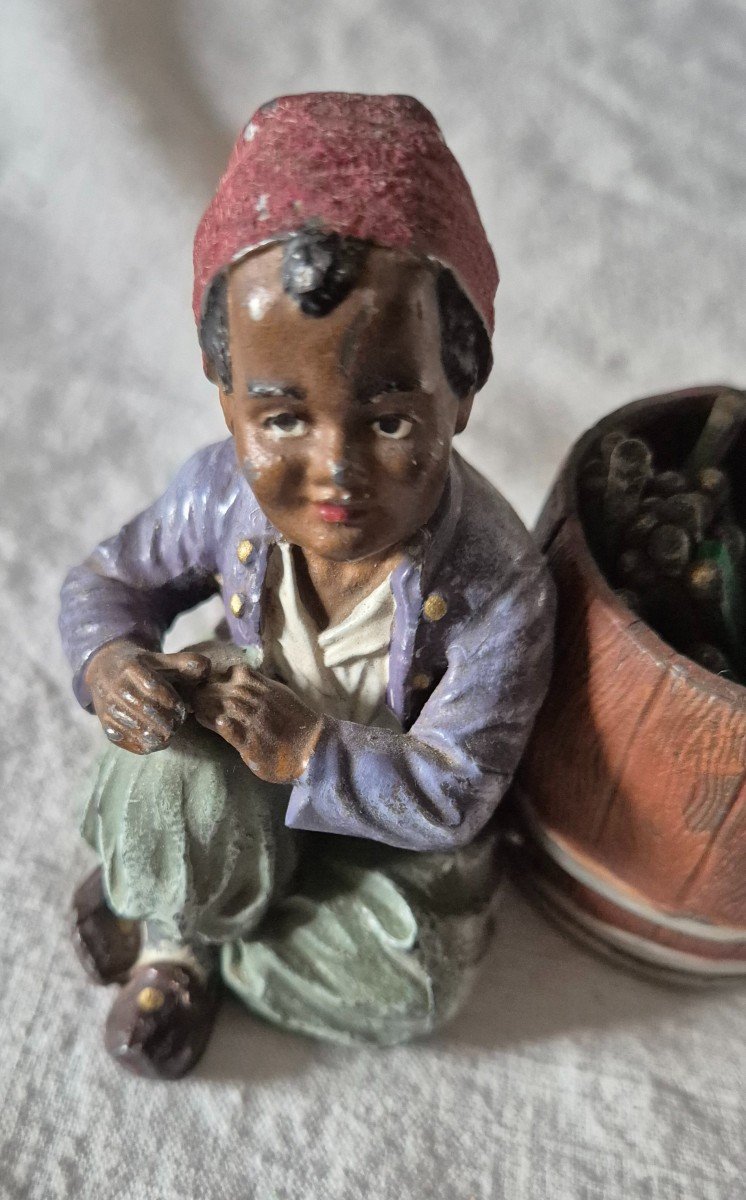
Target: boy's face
342,424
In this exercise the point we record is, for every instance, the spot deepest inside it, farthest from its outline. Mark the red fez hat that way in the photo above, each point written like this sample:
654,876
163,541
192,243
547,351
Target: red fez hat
370,167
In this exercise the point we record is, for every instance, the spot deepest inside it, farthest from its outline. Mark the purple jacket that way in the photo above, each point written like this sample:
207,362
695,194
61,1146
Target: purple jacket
468,665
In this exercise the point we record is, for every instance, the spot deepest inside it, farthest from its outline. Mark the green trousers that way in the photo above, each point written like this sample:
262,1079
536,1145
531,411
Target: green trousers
330,936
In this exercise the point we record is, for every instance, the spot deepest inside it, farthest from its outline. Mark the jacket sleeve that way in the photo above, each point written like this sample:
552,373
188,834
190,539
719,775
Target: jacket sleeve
435,786
160,564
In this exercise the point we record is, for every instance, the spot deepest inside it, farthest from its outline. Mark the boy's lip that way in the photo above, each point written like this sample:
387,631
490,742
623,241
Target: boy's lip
334,513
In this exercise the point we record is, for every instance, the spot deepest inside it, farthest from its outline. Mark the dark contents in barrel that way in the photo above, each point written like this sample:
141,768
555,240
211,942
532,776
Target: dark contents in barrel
663,512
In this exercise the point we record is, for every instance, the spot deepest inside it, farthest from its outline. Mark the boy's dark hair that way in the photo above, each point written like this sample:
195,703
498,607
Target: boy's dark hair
318,271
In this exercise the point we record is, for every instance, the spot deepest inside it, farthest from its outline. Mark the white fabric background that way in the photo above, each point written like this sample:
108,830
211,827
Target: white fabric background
606,144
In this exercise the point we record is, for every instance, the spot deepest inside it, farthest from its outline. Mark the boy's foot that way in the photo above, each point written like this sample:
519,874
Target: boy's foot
106,945
162,1019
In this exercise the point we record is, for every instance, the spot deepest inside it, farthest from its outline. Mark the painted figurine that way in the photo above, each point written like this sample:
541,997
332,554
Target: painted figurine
301,808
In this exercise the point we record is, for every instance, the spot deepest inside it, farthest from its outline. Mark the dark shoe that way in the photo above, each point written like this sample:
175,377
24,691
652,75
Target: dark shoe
106,945
161,1021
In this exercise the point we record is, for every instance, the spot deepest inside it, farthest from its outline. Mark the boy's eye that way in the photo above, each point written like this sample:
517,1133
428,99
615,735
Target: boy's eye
284,425
393,427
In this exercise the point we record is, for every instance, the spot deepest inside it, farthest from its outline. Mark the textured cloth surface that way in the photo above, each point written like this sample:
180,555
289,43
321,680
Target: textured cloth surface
605,146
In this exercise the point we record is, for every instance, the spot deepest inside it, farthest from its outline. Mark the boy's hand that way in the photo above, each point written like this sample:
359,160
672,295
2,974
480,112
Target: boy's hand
135,692
274,732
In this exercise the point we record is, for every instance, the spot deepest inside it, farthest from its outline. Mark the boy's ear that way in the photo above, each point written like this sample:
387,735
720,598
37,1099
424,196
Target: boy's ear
227,407
464,412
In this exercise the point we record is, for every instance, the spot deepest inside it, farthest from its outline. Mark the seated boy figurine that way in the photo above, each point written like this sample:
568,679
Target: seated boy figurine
303,808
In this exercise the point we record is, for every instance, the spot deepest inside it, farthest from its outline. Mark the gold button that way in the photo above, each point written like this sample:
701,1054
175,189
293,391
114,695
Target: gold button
150,999
434,607
237,604
243,550
420,682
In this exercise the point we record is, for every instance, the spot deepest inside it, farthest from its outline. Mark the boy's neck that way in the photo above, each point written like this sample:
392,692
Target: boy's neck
331,590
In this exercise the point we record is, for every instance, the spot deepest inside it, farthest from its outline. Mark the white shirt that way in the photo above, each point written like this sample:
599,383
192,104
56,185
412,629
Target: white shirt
342,670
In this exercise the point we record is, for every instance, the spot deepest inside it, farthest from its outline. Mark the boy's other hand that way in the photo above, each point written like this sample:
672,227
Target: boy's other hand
274,732
137,694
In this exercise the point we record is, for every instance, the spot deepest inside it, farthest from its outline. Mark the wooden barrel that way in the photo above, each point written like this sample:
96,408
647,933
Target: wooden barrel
632,794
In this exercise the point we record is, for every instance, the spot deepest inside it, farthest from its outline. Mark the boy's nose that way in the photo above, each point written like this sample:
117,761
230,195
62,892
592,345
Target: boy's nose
339,466
346,473
338,463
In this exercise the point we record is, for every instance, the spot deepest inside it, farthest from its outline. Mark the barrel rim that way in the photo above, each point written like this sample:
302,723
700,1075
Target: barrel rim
633,626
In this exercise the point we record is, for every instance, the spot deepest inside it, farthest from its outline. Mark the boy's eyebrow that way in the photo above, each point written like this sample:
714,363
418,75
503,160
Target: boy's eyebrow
373,388
270,391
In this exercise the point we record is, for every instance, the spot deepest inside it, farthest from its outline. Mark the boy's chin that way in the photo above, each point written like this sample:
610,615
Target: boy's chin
344,544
